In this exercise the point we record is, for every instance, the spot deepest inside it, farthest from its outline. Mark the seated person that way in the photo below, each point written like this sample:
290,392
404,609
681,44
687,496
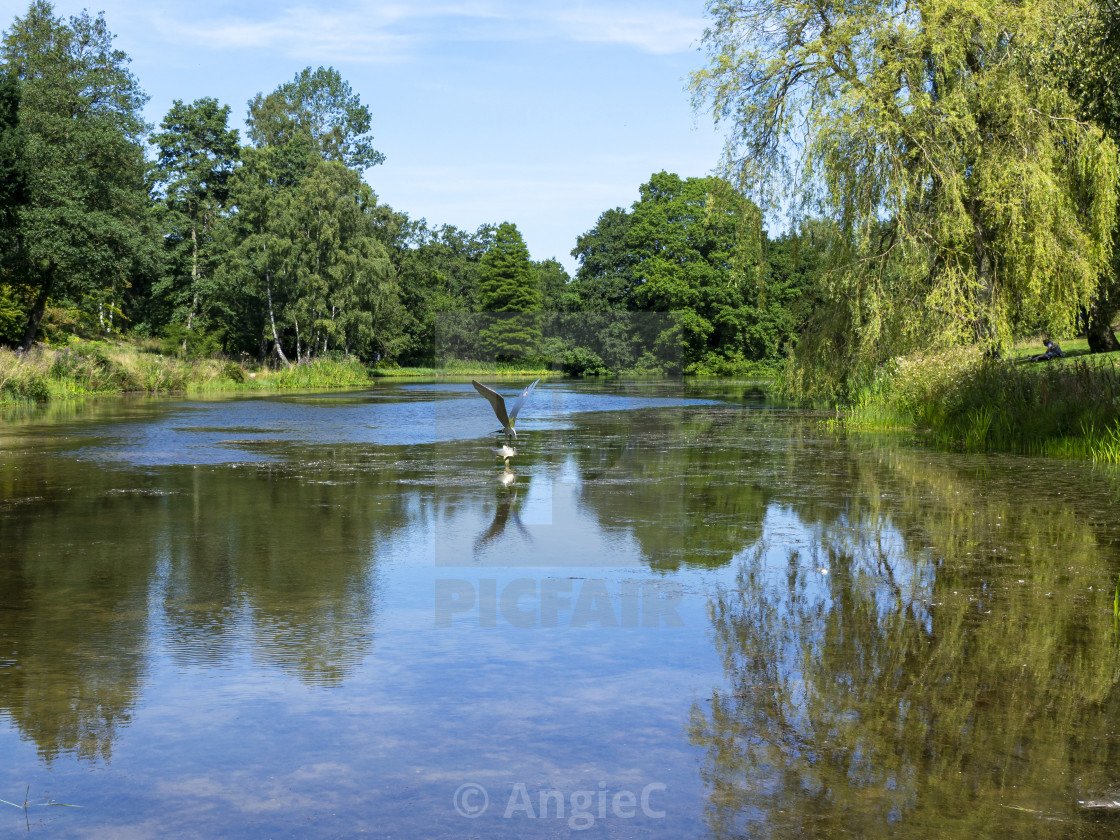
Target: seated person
1053,351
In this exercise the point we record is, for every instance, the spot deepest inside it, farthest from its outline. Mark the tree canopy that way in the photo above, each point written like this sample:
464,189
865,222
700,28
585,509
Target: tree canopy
84,230
971,200
691,250
196,155
318,111
509,295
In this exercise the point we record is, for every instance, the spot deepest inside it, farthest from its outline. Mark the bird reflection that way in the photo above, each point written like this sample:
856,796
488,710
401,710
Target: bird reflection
507,512
506,452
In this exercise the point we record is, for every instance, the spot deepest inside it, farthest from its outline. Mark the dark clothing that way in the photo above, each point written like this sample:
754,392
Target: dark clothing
1053,351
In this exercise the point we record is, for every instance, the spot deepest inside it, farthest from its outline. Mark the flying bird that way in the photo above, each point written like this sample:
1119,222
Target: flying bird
498,403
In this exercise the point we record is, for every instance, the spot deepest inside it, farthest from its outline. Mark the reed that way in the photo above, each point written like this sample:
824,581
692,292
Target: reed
320,373
1068,409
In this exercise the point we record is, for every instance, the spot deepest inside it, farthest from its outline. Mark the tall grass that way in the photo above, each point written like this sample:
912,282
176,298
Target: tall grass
98,367
320,373
23,377
87,368
1067,409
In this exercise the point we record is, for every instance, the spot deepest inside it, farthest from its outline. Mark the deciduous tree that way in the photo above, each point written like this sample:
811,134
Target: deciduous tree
970,196
13,195
196,154
1086,55
318,110
86,228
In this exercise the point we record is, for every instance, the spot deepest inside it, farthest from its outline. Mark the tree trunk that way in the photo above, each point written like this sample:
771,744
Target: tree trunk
272,319
983,328
194,282
1099,332
35,317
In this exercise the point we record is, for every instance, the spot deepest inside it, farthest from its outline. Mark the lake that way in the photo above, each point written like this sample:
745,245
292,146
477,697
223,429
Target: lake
680,612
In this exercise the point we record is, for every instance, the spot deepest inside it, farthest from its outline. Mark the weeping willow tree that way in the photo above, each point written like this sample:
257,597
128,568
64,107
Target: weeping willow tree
969,200
1087,57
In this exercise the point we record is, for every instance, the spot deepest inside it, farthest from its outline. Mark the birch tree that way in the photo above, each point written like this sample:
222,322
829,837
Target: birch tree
196,154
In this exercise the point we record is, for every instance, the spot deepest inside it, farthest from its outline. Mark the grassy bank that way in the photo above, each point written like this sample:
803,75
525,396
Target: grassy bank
85,368
1067,408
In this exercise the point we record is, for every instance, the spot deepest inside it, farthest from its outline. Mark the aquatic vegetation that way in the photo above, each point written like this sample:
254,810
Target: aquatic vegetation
27,804
963,400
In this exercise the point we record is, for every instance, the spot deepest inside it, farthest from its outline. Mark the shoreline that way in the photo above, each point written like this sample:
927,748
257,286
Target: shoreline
94,369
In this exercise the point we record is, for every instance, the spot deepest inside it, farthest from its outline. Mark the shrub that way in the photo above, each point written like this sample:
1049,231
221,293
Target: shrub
580,361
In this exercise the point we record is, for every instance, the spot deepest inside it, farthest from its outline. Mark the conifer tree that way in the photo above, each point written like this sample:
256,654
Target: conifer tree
509,296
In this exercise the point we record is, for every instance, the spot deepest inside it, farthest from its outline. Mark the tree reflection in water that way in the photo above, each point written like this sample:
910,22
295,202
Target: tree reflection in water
907,694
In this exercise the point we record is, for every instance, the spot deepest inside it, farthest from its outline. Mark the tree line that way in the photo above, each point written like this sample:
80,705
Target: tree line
276,246
950,169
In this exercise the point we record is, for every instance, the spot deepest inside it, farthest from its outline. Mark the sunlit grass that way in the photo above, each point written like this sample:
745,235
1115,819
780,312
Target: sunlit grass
1067,408
458,367
86,368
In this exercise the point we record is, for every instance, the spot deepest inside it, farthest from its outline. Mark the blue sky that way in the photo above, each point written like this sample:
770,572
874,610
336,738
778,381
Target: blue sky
543,113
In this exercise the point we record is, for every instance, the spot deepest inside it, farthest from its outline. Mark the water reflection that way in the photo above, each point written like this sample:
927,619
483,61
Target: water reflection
899,642
952,674
506,512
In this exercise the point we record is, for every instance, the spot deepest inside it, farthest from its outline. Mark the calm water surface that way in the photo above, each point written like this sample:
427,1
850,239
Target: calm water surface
680,613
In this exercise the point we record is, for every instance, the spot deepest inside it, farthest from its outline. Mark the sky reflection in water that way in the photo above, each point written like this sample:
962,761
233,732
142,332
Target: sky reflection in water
252,430
327,615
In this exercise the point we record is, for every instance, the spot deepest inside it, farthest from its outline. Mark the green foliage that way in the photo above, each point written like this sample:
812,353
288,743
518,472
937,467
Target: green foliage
552,281
1086,57
509,295
195,342
14,177
970,202
976,403
197,152
346,294
304,246
573,361
14,172
692,250
13,315
323,373
605,279
23,377
85,229
438,278
318,113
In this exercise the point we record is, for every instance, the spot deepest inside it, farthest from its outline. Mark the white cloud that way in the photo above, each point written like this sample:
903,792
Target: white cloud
377,32
297,32
647,29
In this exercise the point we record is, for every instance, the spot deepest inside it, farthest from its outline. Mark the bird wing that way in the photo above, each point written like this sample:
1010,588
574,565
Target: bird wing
497,401
520,401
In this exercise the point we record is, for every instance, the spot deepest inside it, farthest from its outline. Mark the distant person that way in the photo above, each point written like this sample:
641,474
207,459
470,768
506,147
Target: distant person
1053,351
